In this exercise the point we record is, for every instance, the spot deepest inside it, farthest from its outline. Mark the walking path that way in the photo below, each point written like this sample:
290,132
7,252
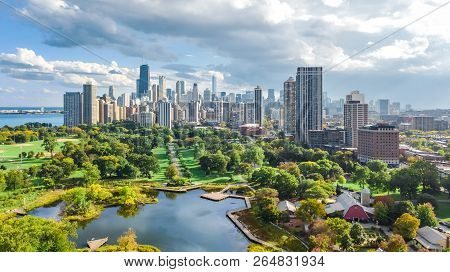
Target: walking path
174,159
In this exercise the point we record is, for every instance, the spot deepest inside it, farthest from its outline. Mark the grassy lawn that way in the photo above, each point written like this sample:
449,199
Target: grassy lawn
163,158
9,154
270,233
198,175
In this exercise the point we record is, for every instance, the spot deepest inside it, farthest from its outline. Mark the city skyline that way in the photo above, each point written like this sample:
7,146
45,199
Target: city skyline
36,64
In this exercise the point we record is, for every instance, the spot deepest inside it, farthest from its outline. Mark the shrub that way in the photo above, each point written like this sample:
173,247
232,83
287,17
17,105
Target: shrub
427,198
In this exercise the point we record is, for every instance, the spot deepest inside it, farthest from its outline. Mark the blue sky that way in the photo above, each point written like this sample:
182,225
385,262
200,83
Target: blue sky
244,42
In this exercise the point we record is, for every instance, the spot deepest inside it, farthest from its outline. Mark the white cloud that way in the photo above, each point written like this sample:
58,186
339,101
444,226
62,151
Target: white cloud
277,11
47,91
333,3
402,49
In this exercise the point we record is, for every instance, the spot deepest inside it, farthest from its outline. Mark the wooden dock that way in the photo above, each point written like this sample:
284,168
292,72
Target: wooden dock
95,244
215,196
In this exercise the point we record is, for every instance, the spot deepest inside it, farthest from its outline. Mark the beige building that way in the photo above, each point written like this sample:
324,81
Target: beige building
379,142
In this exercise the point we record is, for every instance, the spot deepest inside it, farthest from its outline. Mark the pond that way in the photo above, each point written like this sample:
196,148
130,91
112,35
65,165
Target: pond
179,222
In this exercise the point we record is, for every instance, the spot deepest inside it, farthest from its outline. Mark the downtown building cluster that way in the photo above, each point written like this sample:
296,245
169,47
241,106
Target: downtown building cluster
300,112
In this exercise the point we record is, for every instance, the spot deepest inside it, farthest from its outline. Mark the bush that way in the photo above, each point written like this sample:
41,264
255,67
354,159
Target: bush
427,198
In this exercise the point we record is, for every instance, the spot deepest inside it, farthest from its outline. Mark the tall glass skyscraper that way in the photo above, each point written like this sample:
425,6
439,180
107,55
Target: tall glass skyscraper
308,87
214,84
144,80
258,106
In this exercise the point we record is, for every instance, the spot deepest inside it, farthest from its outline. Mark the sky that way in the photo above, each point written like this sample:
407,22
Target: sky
243,42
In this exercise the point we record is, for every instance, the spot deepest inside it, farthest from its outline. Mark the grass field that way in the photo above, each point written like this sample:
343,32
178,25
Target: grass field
198,175
9,154
163,158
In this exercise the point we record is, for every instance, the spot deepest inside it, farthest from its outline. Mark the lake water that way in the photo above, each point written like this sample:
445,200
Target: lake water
12,120
179,222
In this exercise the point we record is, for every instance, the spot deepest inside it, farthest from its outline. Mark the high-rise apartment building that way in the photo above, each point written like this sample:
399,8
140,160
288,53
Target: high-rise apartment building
289,106
144,80
379,142
258,106
164,114
193,112
271,95
355,116
111,92
73,109
195,96
214,84
207,95
309,102
162,88
90,113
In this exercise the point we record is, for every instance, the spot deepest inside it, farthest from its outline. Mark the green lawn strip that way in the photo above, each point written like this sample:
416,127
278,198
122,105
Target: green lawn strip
164,162
443,211
9,154
198,175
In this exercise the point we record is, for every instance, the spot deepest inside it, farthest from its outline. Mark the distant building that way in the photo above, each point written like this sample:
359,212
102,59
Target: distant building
423,123
195,95
207,96
164,114
111,92
356,115
146,119
271,95
332,137
289,106
193,112
214,84
251,130
144,80
379,142
440,125
73,109
382,106
162,88
308,102
258,106
90,112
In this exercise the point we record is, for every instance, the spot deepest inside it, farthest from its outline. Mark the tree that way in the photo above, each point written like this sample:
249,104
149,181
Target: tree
147,164
407,182
96,192
427,198
126,170
357,233
264,176
361,175
396,243
2,180
347,243
128,196
253,155
171,172
244,169
427,174
34,234
77,202
319,190
107,165
49,170
235,159
127,241
267,201
49,144
446,185
16,179
286,184
340,227
308,168
310,209
406,226
426,215
68,165
91,174
382,213
292,168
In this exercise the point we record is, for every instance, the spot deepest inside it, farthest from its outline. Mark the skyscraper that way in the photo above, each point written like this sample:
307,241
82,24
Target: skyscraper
258,106
144,80
154,93
382,106
111,92
165,114
214,84
207,95
309,102
73,109
271,95
355,117
195,96
90,113
289,106
162,88
193,111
